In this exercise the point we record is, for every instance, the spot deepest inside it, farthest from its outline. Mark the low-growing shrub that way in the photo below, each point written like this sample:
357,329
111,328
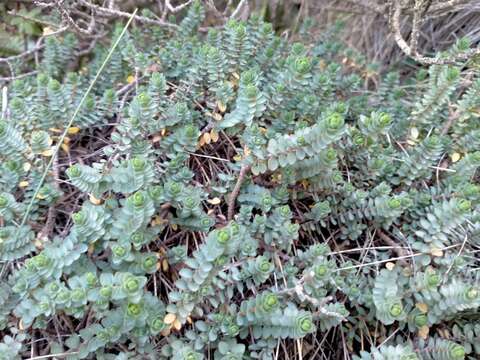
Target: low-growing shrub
239,197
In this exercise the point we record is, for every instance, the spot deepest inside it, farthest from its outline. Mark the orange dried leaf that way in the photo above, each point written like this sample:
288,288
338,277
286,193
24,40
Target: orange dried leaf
423,331
94,200
165,332
170,318
177,325
422,307
436,252
207,138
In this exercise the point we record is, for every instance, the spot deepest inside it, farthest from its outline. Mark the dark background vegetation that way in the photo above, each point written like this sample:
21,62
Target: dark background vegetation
364,25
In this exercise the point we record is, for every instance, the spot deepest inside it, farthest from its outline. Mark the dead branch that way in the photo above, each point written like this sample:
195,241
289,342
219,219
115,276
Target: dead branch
422,10
411,50
106,12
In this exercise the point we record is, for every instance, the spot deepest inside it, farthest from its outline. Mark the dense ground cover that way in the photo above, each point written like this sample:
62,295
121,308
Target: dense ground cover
186,192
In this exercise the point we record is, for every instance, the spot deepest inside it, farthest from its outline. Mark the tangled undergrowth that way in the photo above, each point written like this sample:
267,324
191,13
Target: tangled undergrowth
239,197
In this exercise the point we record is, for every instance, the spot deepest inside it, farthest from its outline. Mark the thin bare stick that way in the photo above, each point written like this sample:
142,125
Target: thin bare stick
65,354
237,10
391,259
236,190
451,120
401,252
66,15
102,11
4,102
44,234
38,46
21,76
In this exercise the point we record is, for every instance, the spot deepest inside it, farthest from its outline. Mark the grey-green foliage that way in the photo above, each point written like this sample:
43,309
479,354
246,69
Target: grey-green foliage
245,189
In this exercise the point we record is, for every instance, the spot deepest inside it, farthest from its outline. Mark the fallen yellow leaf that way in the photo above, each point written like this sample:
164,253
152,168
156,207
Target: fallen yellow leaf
165,332
65,148
73,130
38,244
217,116
444,333
177,325
47,153
27,166
222,107
94,200
390,265
436,252
157,220
47,30
305,183
41,196
165,266
455,157
130,79
414,133
214,201
214,135
170,318
422,307
203,140
23,184
207,137
91,249
423,332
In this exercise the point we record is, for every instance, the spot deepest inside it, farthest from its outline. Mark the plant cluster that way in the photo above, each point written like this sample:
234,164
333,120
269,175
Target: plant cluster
240,196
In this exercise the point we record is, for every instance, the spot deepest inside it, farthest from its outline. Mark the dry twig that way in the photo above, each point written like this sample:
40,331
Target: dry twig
236,190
